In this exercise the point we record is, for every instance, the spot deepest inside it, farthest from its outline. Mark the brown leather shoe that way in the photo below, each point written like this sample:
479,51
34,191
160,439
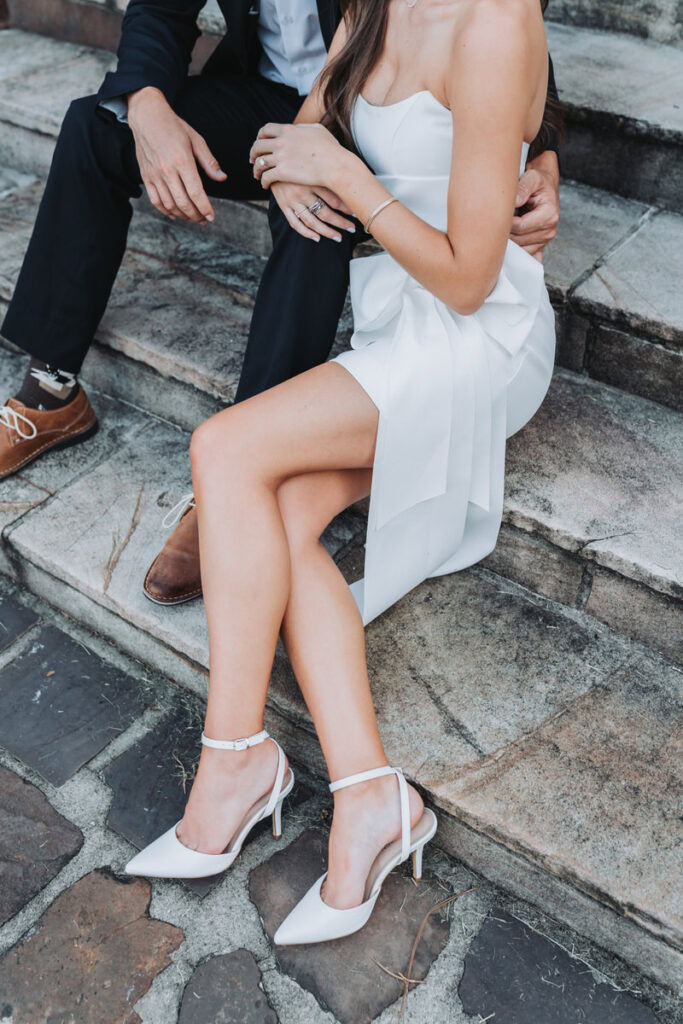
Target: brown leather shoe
26,434
174,577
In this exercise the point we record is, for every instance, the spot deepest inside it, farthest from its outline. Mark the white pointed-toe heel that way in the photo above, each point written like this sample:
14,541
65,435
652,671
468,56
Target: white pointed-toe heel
313,920
167,857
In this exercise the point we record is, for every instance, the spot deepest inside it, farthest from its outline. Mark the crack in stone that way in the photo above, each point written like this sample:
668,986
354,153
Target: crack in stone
610,536
628,235
519,747
117,550
451,723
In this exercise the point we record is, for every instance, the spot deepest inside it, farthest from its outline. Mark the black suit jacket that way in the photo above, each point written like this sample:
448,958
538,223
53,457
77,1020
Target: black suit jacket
157,38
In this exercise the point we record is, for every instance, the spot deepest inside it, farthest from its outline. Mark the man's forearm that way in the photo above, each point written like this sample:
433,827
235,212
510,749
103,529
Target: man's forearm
547,163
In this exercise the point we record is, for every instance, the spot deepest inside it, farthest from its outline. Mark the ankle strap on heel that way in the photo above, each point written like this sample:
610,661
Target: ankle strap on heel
241,744
376,773
373,773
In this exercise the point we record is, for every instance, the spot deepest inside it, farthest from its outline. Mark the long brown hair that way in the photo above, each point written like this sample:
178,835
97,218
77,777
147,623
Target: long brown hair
345,75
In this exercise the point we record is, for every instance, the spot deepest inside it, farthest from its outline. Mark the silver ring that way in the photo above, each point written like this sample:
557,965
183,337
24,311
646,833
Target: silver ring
316,207
301,212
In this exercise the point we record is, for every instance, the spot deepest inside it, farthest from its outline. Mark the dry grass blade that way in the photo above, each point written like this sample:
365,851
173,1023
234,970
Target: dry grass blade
407,980
399,977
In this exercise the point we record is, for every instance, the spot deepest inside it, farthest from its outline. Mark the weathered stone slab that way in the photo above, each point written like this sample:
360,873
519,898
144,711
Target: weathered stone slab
101,534
60,705
591,222
623,113
484,666
344,975
632,79
638,366
11,181
90,957
40,80
638,287
595,793
35,843
91,23
22,53
534,563
151,781
226,990
659,20
194,329
637,612
598,472
522,977
15,619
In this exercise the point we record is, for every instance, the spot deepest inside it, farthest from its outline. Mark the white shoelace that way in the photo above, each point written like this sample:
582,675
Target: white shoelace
13,420
175,514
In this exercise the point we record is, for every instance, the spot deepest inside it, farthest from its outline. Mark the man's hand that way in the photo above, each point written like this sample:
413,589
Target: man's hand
538,193
295,202
168,151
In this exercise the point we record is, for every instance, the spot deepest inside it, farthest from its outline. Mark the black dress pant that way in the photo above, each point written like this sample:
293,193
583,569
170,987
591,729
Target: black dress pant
79,236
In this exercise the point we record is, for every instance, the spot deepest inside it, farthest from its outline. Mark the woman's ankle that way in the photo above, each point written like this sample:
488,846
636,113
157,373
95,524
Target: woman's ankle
382,791
232,765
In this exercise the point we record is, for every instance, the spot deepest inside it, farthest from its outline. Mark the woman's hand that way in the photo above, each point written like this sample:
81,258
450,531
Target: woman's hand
296,201
303,154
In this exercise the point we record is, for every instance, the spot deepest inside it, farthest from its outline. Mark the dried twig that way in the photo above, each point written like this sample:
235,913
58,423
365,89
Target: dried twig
406,978
399,977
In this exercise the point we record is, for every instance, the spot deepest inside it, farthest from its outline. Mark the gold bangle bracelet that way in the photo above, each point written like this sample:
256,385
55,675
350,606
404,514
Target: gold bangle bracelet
378,209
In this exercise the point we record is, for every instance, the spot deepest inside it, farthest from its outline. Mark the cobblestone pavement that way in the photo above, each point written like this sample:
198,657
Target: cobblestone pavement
96,756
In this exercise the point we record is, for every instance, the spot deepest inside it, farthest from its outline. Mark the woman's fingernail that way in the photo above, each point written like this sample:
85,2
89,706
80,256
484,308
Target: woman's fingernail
251,160
518,200
337,238
316,238
352,229
210,217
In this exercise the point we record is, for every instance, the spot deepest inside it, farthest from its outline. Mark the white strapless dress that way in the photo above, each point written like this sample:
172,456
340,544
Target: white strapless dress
449,389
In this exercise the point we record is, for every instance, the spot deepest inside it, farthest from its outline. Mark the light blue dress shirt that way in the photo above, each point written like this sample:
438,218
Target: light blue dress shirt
293,48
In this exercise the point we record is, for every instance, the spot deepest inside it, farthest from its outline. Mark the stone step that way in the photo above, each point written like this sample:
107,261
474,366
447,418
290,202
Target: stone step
658,20
545,740
624,113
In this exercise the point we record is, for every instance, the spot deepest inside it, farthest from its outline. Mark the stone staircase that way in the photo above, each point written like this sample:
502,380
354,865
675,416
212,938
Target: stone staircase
534,697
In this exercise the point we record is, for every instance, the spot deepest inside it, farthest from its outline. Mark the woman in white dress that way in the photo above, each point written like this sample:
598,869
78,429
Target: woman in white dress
452,352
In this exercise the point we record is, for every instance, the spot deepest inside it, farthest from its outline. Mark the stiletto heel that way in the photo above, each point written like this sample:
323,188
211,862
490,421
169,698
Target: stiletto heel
313,920
417,863
277,820
167,857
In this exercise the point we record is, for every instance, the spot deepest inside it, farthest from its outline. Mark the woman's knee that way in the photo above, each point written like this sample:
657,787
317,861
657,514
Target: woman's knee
220,444
300,513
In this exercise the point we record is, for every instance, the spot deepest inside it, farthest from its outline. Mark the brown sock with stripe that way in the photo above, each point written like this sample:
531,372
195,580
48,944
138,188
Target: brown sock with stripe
46,387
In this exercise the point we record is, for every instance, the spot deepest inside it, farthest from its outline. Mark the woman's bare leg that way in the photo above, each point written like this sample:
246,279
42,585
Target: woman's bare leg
325,640
320,420
265,489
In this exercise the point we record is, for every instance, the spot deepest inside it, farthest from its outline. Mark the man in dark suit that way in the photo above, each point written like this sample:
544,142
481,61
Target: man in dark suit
186,139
